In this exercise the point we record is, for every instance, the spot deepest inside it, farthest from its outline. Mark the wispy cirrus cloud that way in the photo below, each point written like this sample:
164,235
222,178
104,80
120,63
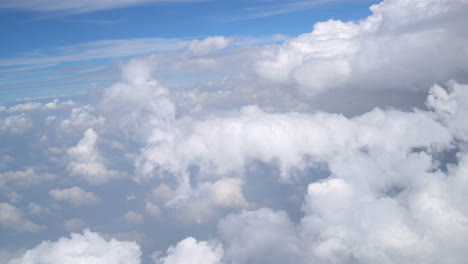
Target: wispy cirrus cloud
99,49
283,7
119,48
74,7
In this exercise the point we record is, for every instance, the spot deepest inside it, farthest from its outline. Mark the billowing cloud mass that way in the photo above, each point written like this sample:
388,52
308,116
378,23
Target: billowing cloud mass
86,162
347,144
193,251
83,248
261,236
82,117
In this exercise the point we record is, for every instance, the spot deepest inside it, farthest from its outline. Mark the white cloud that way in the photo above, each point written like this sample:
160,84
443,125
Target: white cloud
389,50
153,210
86,161
383,202
190,250
33,106
394,181
382,51
199,204
37,210
451,107
226,192
25,107
392,224
74,225
75,196
205,46
387,198
16,124
12,218
82,118
262,236
387,190
89,248
292,141
139,102
162,193
133,217
14,197
143,239
24,178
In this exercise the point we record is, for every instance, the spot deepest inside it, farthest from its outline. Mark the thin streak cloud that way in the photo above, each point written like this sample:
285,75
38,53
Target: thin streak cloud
74,7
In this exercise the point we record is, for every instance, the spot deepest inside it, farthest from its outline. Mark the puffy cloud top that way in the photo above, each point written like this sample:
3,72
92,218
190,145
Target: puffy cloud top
190,250
86,248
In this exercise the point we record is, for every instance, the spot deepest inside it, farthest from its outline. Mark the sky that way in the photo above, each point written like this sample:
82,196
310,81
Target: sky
48,46
234,131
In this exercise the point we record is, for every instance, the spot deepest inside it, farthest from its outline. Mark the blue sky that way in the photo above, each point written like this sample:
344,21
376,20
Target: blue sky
28,31
32,35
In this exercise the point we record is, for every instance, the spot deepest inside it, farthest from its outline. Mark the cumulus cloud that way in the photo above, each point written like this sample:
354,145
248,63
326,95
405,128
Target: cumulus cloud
379,52
335,55
385,178
75,196
384,201
16,124
24,178
193,251
226,192
86,161
82,117
25,107
87,247
388,51
14,197
345,221
200,204
152,209
138,113
450,106
394,181
162,193
262,236
74,225
12,218
34,106
291,141
37,209
133,217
